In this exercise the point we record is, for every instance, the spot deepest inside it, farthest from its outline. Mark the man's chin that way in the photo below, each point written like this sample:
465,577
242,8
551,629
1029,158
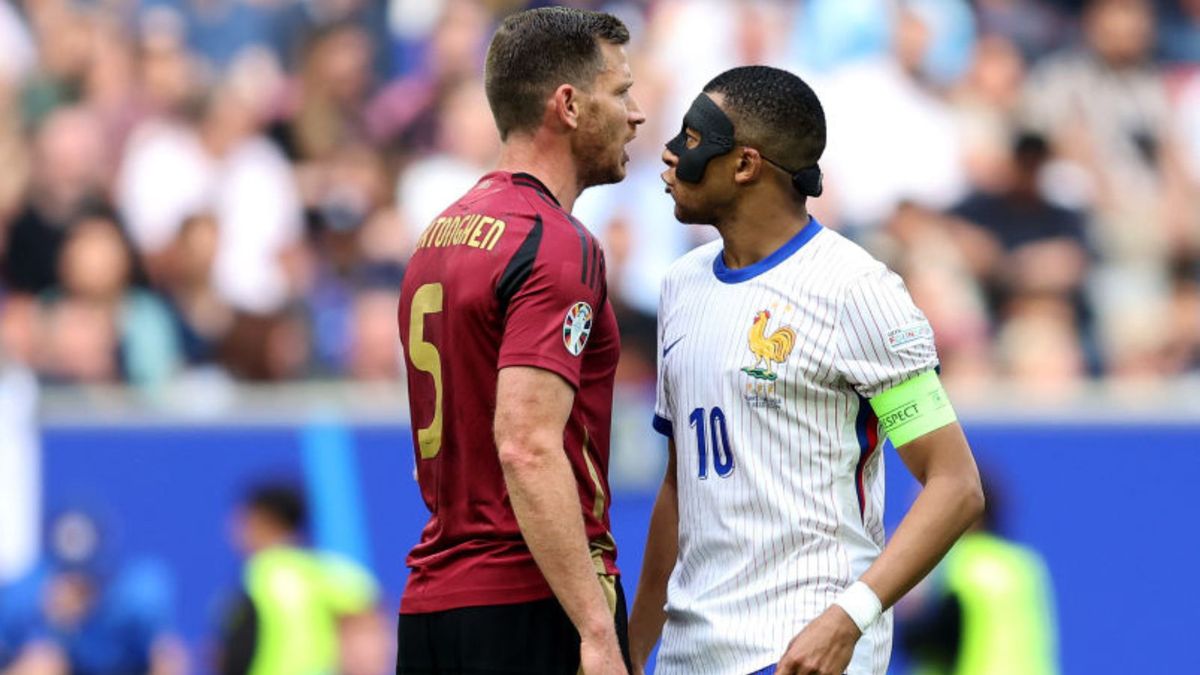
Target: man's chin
687,218
614,175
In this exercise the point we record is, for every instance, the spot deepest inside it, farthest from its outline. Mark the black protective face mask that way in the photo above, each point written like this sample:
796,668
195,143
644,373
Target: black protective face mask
716,139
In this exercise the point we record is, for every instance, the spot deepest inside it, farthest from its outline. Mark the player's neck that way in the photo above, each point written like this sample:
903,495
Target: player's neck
751,234
553,166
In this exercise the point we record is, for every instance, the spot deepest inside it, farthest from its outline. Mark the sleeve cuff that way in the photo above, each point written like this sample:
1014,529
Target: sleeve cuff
663,426
567,371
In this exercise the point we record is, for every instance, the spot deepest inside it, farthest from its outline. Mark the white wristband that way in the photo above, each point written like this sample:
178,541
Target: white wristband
861,603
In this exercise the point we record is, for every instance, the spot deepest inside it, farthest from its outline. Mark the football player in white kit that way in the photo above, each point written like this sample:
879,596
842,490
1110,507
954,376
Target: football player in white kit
786,354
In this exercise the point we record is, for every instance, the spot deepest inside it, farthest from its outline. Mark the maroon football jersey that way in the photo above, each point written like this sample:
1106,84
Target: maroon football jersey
504,277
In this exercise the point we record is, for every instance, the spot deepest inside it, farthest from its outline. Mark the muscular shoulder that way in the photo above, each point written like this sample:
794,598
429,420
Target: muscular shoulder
851,262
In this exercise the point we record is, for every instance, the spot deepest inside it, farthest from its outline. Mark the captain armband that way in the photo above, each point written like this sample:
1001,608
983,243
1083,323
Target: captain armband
913,408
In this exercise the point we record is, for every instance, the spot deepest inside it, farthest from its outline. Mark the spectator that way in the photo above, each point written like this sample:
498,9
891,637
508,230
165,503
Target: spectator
81,611
254,196
1017,241
203,319
467,146
919,244
68,178
1035,28
986,104
113,330
908,151
1104,108
335,81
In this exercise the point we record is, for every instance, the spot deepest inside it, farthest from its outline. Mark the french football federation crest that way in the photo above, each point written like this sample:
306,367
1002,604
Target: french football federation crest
577,326
768,349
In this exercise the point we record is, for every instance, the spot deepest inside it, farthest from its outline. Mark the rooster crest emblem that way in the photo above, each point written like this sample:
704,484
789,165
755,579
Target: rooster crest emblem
768,349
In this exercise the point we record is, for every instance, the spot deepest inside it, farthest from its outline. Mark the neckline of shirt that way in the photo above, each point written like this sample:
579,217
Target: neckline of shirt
530,180
736,276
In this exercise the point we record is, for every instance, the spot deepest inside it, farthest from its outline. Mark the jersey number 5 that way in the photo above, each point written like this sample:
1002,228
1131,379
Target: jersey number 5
425,357
721,452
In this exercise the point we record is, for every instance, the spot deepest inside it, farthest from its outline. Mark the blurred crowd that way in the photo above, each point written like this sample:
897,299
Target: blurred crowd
231,188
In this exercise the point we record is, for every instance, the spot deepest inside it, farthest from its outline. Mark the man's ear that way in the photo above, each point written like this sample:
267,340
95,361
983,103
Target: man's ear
564,106
749,166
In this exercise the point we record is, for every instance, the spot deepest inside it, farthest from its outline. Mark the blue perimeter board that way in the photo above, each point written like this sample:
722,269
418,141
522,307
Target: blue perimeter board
1110,507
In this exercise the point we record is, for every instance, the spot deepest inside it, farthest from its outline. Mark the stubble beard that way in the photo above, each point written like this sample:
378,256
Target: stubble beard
600,163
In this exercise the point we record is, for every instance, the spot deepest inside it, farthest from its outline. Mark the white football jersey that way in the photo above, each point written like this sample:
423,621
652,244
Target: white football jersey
763,379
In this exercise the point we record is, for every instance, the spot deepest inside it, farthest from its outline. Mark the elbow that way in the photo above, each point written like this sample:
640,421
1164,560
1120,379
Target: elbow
971,500
522,455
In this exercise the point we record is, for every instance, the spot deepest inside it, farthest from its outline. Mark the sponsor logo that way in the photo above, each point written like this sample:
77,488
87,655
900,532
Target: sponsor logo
899,337
577,326
668,348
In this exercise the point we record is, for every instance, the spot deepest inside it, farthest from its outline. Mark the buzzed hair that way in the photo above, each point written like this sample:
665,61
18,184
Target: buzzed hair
280,502
775,112
535,51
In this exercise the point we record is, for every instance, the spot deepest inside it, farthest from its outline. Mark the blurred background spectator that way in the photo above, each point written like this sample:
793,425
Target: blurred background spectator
84,610
252,174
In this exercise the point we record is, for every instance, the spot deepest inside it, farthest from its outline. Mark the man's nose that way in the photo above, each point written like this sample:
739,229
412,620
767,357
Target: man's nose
636,116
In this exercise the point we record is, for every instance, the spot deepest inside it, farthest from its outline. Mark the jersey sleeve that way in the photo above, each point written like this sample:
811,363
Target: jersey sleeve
551,292
663,420
883,338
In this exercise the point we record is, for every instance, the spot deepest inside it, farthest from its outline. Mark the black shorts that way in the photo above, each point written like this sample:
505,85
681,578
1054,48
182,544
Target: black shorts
532,638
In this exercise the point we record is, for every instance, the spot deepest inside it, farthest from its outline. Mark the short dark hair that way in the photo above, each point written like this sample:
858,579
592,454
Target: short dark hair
283,503
535,51
773,111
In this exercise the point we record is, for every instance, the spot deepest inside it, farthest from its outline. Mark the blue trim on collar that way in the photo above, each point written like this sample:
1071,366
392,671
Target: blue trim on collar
784,252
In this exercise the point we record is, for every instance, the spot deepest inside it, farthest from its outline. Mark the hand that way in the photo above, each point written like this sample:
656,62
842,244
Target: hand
601,657
824,647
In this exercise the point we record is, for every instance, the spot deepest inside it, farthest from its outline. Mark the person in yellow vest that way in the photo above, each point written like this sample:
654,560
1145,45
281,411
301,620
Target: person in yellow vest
990,610
294,603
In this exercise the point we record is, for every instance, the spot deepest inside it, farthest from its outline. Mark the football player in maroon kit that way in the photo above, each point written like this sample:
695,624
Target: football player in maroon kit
511,346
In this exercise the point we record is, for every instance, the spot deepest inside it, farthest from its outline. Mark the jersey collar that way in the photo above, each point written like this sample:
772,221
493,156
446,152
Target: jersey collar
768,263
530,180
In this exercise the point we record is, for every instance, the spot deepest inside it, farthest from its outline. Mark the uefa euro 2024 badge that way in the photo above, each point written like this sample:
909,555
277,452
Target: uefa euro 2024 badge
767,349
577,326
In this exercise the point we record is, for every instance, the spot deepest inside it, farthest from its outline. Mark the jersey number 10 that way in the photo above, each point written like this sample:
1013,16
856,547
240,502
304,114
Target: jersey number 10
722,453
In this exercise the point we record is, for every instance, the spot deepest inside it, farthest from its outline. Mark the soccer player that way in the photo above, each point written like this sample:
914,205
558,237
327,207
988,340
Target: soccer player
511,347
766,542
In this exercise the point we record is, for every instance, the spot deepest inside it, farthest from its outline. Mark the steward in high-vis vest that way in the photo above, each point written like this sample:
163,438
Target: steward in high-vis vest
289,616
992,613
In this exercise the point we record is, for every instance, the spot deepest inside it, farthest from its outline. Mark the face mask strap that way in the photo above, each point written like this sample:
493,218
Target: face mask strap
716,139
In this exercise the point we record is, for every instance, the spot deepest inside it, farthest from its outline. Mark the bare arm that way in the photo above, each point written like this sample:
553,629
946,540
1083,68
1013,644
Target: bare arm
532,408
662,546
950,500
